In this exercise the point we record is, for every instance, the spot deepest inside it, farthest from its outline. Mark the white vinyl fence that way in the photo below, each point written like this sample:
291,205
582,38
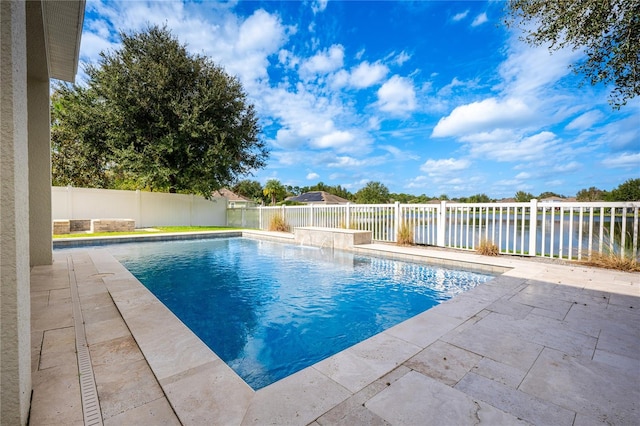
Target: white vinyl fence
146,208
547,229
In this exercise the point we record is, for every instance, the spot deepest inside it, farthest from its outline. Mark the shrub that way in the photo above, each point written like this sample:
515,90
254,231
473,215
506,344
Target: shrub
612,261
279,224
488,248
352,224
405,235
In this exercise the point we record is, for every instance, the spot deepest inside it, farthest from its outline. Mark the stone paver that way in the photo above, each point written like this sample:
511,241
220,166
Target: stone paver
594,389
515,402
416,399
542,344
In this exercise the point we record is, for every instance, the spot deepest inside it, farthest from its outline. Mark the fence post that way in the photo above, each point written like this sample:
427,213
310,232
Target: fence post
138,214
533,224
348,217
260,217
442,224
70,202
284,213
311,222
191,201
396,225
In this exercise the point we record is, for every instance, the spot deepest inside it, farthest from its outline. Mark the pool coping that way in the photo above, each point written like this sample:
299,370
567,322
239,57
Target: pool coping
191,374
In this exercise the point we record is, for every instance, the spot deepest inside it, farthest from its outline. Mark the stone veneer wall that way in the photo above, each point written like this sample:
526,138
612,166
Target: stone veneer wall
113,225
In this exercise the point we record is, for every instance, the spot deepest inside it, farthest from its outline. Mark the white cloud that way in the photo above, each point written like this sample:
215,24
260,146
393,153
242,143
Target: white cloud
624,160
287,158
494,136
335,139
480,19
444,166
481,116
92,44
351,162
528,70
621,135
523,175
585,121
460,16
309,119
418,182
447,90
397,96
312,176
554,182
360,77
324,62
260,31
572,166
531,148
366,74
401,58
319,6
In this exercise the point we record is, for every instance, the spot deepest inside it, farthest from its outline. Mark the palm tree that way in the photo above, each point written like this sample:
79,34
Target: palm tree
274,189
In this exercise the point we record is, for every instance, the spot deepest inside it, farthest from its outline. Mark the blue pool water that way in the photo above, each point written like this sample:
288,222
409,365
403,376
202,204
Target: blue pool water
269,310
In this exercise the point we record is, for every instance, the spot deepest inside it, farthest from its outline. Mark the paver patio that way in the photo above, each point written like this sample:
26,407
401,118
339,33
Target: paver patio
542,344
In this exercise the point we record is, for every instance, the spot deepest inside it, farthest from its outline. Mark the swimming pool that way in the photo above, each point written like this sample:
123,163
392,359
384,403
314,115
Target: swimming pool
269,309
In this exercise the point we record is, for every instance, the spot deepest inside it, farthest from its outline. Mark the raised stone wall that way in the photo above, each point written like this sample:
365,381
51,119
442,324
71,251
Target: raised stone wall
331,237
61,227
113,225
78,225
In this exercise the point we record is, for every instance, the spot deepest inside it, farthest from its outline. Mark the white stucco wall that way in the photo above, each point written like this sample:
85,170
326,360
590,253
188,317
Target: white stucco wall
15,333
40,227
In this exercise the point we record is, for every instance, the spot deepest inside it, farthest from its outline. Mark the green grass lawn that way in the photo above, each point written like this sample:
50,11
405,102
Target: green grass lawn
155,230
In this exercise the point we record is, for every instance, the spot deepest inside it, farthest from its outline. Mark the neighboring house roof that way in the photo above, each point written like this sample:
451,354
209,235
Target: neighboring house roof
231,196
318,197
554,199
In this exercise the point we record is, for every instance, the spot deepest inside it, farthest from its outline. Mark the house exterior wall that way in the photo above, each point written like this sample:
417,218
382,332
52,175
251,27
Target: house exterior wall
15,356
40,225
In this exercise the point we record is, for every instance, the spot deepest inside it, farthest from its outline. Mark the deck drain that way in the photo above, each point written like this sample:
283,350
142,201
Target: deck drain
88,390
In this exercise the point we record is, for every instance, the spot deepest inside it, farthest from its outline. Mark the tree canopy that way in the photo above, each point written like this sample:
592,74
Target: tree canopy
591,194
168,120
629,190
249,188
523,197
608,31
373,193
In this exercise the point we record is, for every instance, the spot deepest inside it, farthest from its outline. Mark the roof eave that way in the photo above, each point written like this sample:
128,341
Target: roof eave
63,31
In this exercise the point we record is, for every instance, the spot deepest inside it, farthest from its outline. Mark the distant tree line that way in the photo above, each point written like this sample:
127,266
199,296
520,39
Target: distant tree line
274,192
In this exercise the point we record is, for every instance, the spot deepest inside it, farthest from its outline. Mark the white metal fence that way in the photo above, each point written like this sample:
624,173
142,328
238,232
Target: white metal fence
547,229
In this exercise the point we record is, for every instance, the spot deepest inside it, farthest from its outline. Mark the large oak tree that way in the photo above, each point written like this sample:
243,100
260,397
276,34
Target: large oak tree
164,118
607,30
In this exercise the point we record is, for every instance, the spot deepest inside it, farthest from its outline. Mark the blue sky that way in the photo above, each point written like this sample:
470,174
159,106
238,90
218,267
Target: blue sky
427,97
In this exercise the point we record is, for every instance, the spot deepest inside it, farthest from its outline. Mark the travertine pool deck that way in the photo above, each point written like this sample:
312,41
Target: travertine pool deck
542,343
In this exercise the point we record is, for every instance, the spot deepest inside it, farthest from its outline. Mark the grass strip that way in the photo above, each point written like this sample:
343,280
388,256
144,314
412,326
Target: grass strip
148,231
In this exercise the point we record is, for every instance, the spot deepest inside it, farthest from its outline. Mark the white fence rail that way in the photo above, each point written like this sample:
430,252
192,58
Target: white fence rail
146,208
553,230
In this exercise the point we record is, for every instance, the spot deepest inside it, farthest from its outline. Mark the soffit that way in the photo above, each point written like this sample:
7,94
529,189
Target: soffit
63,29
